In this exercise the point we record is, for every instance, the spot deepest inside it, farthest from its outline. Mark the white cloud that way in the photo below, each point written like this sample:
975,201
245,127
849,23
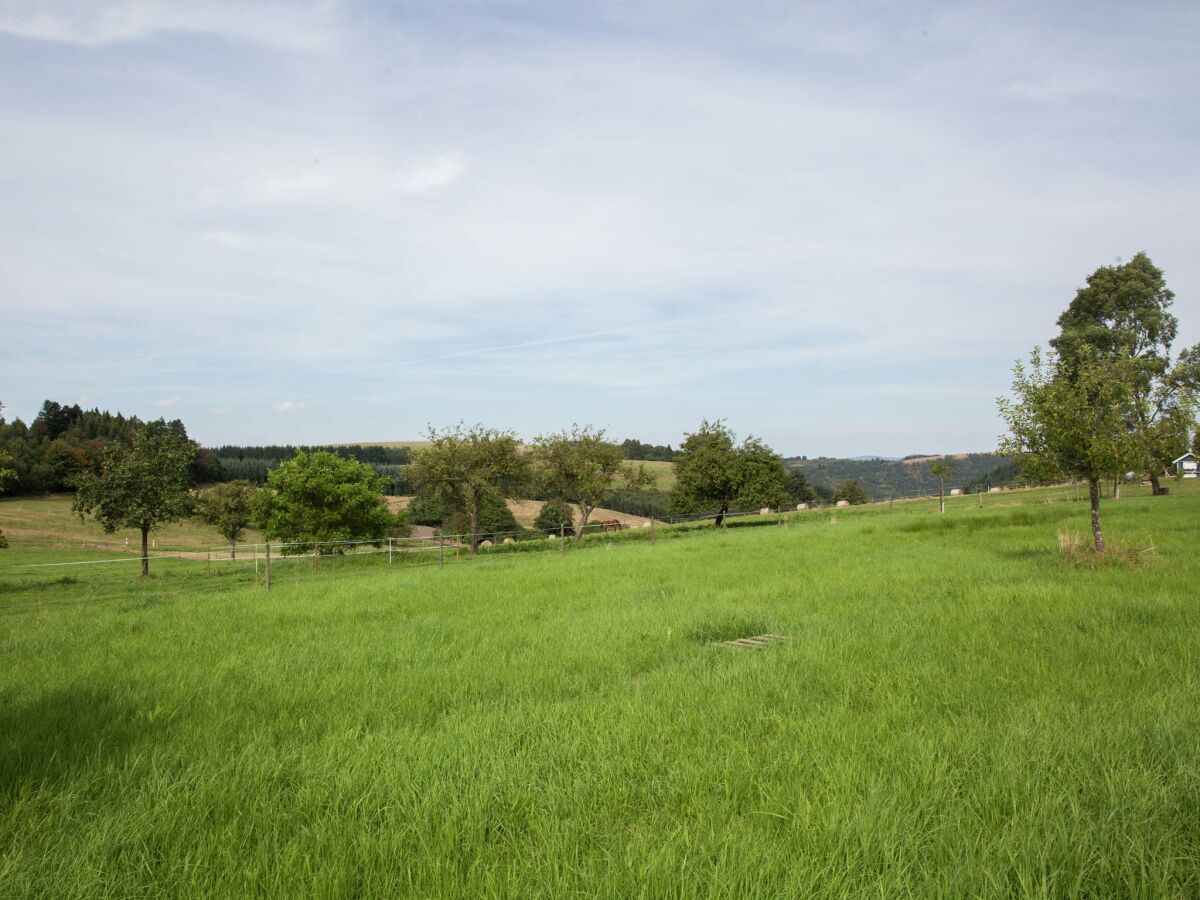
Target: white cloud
476,204
289,406
301,26
167,402
438,172
221,237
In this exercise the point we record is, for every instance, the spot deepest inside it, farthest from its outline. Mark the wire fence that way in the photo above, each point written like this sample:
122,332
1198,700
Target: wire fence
277,563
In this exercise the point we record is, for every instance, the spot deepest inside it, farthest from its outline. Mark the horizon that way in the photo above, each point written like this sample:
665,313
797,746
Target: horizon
834,229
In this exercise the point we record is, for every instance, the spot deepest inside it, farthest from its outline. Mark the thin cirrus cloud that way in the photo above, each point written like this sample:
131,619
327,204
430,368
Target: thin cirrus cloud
636,215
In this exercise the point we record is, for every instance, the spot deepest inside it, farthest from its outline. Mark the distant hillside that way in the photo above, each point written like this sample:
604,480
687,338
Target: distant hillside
885,478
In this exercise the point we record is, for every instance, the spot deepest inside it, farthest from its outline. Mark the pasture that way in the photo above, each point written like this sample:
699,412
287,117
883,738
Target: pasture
957,712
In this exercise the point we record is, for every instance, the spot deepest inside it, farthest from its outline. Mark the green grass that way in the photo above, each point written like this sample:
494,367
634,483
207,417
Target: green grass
958,713
663,472
47,522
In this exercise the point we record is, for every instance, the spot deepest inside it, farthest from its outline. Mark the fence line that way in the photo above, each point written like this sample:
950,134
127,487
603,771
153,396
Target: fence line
410,547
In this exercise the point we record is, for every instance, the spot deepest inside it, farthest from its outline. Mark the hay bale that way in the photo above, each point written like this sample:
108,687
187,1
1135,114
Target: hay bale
800,506
509,541
485,543
955,492
765,511
843,503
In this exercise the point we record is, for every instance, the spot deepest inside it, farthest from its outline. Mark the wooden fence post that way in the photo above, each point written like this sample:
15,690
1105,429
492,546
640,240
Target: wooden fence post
267,568
441,552
390,550
316,550
562,539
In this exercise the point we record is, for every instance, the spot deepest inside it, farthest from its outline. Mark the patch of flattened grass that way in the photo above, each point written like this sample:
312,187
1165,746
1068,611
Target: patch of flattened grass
728,626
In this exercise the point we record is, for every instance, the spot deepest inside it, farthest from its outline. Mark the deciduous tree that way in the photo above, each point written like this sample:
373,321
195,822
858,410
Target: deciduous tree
142,485
464,466
579,466
713,473
320,497
943,469
1123,315
229,508
852,492
1070,420
8,475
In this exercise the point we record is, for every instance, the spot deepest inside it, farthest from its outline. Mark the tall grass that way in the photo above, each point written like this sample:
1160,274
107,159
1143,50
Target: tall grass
957,713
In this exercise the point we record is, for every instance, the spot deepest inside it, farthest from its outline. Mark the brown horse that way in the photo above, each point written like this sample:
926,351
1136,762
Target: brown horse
611,525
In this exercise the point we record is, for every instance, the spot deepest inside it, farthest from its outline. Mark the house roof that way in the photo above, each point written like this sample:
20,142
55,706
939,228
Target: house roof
1184,458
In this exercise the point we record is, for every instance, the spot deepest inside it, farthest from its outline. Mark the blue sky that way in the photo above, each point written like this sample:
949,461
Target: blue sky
336,221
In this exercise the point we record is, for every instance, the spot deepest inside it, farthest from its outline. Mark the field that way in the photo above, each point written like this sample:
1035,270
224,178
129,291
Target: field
957,712
47,522
663,472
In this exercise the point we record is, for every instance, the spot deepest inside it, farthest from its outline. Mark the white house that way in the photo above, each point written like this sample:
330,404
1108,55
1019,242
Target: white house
1187,466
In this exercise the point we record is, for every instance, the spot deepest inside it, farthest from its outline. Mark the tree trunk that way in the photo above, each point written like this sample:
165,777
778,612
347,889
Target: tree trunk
1094,492
145,551
233,549
475,527
721,515
1155,487
584,512
1116,488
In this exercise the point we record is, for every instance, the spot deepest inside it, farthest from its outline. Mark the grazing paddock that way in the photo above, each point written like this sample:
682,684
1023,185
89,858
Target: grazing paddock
951,709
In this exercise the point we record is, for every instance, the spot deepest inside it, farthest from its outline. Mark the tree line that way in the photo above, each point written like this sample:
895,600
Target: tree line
64,441
145,478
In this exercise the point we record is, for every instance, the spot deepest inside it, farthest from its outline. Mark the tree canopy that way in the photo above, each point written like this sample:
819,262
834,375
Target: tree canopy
7,476
143,484
852,492
1070,420
1123,316
579,466
463,467
229,508
713,473
943,469
321,497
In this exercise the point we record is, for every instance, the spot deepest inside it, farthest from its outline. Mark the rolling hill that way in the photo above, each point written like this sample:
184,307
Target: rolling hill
884,478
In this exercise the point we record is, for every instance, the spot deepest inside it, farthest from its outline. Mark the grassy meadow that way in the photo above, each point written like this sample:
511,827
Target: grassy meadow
958,712
48,522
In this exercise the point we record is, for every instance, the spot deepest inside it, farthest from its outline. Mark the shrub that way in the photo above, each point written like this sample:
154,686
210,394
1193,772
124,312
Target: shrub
555,515
495,519
428,510
853,492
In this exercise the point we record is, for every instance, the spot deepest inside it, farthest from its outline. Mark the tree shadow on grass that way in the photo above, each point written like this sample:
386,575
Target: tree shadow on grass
47,741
